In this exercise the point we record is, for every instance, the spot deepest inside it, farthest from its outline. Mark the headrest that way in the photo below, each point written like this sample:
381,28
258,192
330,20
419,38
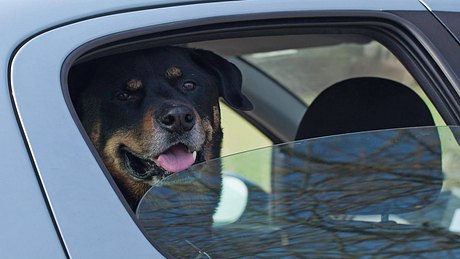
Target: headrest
363,104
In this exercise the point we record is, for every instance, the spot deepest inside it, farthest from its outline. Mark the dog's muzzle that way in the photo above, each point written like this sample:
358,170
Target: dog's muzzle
176,118
175,148
174,159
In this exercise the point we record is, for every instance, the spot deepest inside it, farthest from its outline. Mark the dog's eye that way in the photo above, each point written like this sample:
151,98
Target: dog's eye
189,86
123,96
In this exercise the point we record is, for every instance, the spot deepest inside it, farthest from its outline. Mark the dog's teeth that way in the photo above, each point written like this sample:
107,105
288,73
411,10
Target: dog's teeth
194,155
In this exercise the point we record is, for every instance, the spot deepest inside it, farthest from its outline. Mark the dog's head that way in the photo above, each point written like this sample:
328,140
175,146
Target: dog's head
151,113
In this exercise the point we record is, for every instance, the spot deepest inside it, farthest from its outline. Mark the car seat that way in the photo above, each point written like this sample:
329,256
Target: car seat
363,104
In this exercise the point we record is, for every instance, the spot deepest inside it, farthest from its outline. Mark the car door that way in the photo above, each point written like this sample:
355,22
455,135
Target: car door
447,13
91,215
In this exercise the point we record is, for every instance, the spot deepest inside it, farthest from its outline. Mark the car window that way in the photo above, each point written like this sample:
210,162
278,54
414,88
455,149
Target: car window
306,72
153,112
387,193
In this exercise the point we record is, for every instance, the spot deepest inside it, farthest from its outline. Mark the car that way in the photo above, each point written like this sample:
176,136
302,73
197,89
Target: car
373,172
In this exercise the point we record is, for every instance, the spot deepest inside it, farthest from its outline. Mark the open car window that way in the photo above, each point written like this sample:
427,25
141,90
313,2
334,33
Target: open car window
146,127
377,193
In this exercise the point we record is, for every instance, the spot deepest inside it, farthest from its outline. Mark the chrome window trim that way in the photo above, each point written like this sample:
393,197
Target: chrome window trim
442,5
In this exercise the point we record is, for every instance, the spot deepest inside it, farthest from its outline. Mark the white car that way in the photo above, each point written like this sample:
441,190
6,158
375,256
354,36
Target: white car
376,176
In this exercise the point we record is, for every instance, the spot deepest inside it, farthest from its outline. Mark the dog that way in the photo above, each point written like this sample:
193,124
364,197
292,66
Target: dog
150,114
154,112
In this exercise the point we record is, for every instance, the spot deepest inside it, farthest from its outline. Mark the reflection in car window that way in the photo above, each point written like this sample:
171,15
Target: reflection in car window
380,193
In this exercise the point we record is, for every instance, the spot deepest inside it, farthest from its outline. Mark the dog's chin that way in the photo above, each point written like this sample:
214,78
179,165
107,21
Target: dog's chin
153,168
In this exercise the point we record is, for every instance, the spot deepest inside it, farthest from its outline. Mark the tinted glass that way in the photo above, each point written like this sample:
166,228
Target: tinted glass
308,71
388,193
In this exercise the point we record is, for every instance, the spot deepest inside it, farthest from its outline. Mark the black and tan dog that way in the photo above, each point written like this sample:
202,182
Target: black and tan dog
151,113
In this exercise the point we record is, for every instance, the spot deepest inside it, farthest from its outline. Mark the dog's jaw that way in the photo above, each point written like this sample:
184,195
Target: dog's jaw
134,188
152,168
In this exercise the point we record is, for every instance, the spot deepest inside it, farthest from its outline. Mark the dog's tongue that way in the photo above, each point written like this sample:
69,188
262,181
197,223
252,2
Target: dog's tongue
176,159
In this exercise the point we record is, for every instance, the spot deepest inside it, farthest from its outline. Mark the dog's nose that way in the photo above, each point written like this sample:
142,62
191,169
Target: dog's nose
178,119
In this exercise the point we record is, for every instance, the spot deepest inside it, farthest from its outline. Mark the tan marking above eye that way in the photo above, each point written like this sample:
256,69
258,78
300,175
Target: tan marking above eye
134,84
173,73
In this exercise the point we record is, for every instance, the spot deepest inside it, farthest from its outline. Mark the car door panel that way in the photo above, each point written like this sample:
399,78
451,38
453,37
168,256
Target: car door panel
92,220
25,215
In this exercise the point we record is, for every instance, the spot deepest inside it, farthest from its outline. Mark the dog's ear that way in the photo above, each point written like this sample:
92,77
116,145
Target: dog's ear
229,77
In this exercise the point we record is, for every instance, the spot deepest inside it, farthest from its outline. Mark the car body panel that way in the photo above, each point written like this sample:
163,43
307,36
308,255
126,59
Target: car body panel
442,5
27,228
86,211
445,12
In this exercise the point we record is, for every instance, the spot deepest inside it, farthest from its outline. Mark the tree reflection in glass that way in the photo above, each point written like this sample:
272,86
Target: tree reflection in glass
372,194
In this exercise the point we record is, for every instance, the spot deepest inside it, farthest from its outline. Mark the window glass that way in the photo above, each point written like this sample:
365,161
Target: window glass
387,193
308,71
